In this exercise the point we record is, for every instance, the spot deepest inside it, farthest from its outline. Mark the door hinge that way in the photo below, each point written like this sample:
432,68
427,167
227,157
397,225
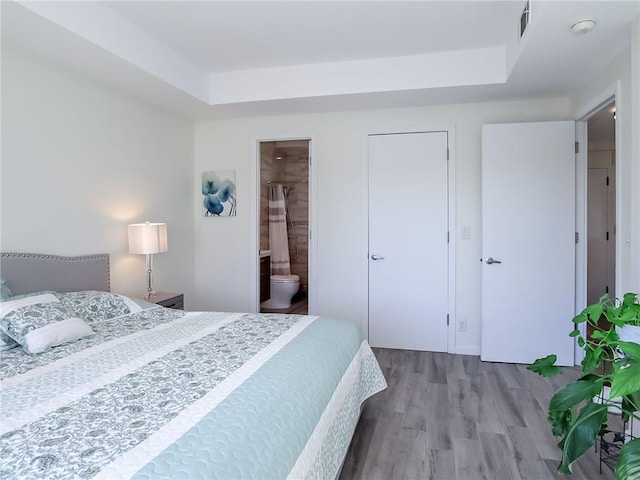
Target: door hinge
447,319
447,154
607,181
577,237
607,236
577,147
606,289
309,234
448,236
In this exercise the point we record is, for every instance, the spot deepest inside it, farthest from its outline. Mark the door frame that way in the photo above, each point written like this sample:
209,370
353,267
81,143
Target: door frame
254,286
613,93
451,223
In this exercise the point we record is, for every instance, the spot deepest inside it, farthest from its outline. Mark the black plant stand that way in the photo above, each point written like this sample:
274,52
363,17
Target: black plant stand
611,443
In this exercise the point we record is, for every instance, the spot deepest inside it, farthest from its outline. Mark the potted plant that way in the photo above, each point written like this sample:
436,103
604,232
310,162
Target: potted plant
578,411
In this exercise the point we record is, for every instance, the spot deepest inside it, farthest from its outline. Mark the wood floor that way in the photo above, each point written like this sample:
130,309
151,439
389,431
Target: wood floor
453,417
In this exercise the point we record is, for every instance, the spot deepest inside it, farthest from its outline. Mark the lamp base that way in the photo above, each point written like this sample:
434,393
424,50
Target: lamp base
149,295
150,291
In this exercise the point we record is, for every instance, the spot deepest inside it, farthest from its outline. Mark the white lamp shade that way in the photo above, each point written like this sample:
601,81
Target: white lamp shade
148,238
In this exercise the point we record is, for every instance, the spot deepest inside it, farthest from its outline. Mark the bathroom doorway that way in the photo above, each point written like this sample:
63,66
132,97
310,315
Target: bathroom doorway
284,173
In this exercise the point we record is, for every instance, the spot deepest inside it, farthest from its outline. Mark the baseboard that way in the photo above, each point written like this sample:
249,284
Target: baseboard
468,350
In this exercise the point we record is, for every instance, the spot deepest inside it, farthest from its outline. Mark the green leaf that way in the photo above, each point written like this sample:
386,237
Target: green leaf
559,421
636,315
633,402
580,318
575,333
630,349
628,316
591,359
628,466
604,299
594,311
581,435
629,299
610,336
630,405
597,354
615,309
613,315
598,334
545,366
626,381
573,393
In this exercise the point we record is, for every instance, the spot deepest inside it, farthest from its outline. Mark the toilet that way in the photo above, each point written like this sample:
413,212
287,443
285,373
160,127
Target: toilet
283,288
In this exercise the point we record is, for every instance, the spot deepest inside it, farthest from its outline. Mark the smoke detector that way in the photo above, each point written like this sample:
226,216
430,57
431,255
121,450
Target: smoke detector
583,26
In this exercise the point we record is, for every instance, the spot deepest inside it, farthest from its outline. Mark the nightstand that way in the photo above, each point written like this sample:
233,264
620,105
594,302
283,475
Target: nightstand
169,300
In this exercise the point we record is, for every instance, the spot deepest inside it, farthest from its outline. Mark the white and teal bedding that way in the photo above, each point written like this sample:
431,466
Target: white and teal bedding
160,393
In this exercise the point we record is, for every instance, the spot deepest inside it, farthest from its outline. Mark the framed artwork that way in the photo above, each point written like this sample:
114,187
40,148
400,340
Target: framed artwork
219,190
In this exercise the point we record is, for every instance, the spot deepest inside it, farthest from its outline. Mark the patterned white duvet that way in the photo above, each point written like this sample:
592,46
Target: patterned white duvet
164,394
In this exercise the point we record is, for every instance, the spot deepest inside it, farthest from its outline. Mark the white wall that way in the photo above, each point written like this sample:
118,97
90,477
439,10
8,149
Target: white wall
634,280
627,156
81,160
222,245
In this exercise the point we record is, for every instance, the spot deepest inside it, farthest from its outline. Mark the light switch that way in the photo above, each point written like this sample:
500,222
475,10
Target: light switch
466,232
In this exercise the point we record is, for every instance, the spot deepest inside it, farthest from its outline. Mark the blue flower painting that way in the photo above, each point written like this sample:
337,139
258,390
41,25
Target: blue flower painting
219,190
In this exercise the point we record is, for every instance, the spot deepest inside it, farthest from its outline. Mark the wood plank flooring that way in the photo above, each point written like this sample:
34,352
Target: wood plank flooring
453,417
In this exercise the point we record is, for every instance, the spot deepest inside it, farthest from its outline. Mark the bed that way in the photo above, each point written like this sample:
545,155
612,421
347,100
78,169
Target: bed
149,392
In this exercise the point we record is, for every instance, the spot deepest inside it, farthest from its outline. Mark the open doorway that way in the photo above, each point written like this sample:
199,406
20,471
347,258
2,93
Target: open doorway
284,226
601,204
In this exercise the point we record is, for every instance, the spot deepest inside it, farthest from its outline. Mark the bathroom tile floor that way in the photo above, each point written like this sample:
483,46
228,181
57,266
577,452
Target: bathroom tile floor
298,308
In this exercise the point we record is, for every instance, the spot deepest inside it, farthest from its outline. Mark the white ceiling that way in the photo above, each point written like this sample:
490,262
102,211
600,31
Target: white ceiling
212,59
229,36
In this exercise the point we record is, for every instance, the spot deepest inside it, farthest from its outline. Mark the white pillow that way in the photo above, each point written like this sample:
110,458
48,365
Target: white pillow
40,322
56,333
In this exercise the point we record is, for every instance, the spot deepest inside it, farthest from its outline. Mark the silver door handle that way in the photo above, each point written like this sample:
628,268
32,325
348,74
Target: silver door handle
490,260
375,256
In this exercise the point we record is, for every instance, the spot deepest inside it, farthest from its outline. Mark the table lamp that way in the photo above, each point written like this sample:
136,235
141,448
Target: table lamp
148,238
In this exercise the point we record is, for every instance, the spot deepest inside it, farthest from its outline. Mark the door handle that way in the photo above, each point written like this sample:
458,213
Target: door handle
490,261
375,256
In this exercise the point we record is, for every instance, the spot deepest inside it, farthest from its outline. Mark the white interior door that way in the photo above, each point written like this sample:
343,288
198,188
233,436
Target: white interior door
528,225
601,213
597,234
408,263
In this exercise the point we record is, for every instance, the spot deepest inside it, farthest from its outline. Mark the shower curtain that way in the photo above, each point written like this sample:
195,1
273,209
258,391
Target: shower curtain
278,241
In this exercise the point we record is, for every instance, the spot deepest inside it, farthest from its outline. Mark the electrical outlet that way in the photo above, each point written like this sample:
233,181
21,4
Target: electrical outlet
462,325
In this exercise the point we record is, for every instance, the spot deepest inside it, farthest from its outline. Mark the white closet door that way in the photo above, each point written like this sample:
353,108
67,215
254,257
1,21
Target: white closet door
408,264
528,224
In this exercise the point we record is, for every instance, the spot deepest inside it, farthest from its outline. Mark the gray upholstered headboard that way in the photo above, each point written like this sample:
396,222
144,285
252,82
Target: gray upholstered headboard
33,272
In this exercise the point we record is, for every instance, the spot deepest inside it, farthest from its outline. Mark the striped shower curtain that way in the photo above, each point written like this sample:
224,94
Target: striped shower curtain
278,241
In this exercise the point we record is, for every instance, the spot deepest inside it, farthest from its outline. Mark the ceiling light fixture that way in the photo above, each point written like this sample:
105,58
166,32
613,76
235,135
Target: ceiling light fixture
583,26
